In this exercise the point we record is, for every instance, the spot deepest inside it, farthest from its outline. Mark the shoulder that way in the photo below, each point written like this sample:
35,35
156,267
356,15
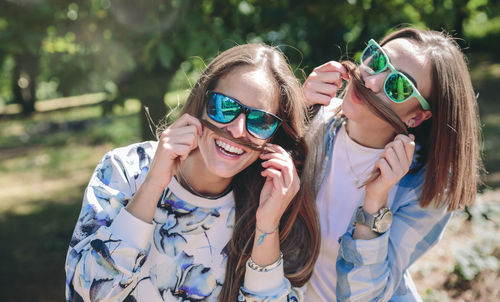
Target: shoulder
326,116
328,112
132,159
134,152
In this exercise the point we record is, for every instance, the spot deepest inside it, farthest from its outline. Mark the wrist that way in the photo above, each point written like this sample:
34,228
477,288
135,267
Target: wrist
262,234
373,203
379,222
265,268
265,223
154,184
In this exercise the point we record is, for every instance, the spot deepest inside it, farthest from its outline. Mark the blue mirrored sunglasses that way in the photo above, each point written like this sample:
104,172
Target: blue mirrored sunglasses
224,109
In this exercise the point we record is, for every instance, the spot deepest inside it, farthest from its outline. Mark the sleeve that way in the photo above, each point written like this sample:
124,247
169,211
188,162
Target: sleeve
109,244
372,270
269,286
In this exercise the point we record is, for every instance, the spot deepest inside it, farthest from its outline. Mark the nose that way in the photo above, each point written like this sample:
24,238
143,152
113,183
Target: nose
237,127
374,82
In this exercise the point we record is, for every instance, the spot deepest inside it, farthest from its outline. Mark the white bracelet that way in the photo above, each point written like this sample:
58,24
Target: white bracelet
266,268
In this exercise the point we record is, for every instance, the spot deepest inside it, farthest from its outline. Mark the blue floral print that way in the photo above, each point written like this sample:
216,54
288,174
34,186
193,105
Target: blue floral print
181,256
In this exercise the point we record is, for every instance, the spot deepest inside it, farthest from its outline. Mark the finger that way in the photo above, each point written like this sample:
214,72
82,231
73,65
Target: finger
286,168
277,149
399,150
409,145
276,176
331,66
275,153
282,155
184,130
177,150
384,167
189,138
392,159
186,120
331,77
322,88
316,98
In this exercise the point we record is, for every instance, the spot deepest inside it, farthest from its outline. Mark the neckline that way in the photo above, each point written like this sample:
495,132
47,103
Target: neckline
199,201
351,146
354,144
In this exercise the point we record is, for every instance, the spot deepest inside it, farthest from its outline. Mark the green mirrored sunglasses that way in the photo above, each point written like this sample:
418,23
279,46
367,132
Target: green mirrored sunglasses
397,86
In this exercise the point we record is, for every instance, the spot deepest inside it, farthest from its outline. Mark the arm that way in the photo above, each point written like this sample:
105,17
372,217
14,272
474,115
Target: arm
264,275
370,266
108,243
372,270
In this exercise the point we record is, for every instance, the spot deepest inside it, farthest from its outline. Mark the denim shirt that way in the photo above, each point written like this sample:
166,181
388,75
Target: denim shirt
376,269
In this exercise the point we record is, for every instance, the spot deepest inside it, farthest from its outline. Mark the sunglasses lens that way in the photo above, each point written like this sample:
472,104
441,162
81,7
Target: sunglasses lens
374,58
398,88
261,124
222,109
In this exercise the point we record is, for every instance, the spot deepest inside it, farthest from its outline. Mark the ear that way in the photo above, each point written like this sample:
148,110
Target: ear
418,117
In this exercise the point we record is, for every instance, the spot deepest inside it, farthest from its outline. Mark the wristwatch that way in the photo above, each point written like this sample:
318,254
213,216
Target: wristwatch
379,223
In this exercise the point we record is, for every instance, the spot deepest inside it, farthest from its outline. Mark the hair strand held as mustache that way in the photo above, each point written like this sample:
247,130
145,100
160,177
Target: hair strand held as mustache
243,142
376,105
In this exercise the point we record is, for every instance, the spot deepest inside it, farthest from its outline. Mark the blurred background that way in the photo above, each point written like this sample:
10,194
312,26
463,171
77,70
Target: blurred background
76,75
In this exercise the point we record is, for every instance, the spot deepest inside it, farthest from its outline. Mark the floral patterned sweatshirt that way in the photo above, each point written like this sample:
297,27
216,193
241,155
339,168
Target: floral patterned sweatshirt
180,256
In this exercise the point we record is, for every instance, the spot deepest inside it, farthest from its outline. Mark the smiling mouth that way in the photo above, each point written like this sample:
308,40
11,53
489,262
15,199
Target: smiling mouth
228,149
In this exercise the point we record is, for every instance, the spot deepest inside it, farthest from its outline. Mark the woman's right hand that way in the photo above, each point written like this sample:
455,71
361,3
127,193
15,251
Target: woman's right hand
174,145
323,83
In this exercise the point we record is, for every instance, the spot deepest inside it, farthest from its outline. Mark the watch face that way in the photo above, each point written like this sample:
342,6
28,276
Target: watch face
383,223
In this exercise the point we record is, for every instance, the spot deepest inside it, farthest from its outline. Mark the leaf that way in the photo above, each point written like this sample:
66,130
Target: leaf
165,54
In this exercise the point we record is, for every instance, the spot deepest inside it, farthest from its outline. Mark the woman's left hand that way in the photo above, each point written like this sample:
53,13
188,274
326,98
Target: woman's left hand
393,164
282,183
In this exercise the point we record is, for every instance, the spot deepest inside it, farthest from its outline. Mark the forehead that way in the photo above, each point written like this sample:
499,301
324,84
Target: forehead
252,86
408,57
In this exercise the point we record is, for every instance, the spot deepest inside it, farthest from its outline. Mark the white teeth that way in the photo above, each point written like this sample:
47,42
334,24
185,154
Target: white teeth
228,148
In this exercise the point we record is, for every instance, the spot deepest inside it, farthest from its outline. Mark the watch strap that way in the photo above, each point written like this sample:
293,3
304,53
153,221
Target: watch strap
364,218
373,221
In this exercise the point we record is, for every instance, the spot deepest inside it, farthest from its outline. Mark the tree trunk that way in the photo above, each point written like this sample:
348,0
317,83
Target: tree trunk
24,81
149,87
461,13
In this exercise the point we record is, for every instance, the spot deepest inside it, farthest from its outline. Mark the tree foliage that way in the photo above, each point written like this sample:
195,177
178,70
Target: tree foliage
133,49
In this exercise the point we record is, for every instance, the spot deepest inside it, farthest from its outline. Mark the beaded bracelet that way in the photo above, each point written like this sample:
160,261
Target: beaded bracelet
266,268
264,234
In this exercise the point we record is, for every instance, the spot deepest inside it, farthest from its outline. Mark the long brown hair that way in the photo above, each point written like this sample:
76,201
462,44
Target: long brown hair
450,140
299,227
